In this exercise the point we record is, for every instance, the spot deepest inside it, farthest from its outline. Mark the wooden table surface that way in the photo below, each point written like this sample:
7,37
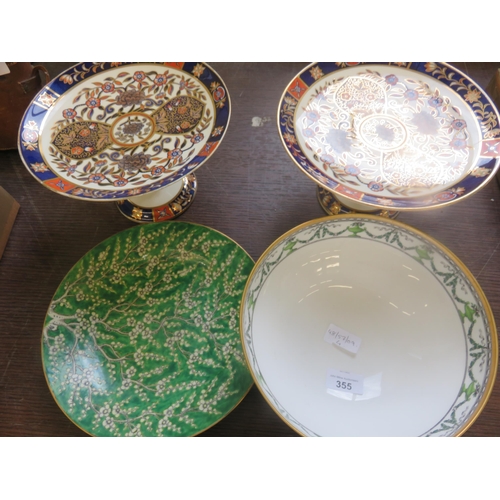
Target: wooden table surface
251,191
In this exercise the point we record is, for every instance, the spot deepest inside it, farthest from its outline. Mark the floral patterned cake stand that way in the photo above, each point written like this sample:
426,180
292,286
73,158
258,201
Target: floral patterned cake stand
384,137
141,337
133,133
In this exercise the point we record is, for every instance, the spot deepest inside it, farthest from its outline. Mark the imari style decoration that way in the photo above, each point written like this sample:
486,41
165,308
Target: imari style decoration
142,336
390,136
425,349
112,131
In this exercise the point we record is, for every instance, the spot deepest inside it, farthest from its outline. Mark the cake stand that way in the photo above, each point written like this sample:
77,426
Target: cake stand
133,133
384,137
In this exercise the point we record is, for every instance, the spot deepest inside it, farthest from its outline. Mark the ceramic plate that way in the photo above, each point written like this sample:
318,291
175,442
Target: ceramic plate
142,336
107,131
401,135
361,326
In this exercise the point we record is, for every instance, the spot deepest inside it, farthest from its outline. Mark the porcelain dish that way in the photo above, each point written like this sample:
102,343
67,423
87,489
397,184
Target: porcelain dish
362,326
109,131
397,136
142,335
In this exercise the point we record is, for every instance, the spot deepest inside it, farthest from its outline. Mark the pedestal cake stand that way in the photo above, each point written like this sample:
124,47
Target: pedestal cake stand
383,137
133,133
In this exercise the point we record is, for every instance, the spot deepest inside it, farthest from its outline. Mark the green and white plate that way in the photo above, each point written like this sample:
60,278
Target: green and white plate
142,336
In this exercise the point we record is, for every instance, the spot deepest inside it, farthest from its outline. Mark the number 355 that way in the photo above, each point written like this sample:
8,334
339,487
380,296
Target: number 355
344,385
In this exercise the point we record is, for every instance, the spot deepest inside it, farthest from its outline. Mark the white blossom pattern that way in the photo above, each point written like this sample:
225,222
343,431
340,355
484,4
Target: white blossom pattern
142,338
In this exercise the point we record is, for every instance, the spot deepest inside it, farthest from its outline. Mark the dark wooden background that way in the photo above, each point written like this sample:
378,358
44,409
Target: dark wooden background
251,191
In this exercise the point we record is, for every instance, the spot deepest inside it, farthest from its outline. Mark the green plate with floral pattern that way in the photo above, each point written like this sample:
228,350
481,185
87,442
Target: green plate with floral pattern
142,336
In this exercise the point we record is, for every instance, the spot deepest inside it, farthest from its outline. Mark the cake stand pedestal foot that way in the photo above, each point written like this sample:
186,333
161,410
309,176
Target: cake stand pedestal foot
163,204
334,205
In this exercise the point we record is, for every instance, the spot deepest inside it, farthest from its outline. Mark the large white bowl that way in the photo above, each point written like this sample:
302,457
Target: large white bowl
428,350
